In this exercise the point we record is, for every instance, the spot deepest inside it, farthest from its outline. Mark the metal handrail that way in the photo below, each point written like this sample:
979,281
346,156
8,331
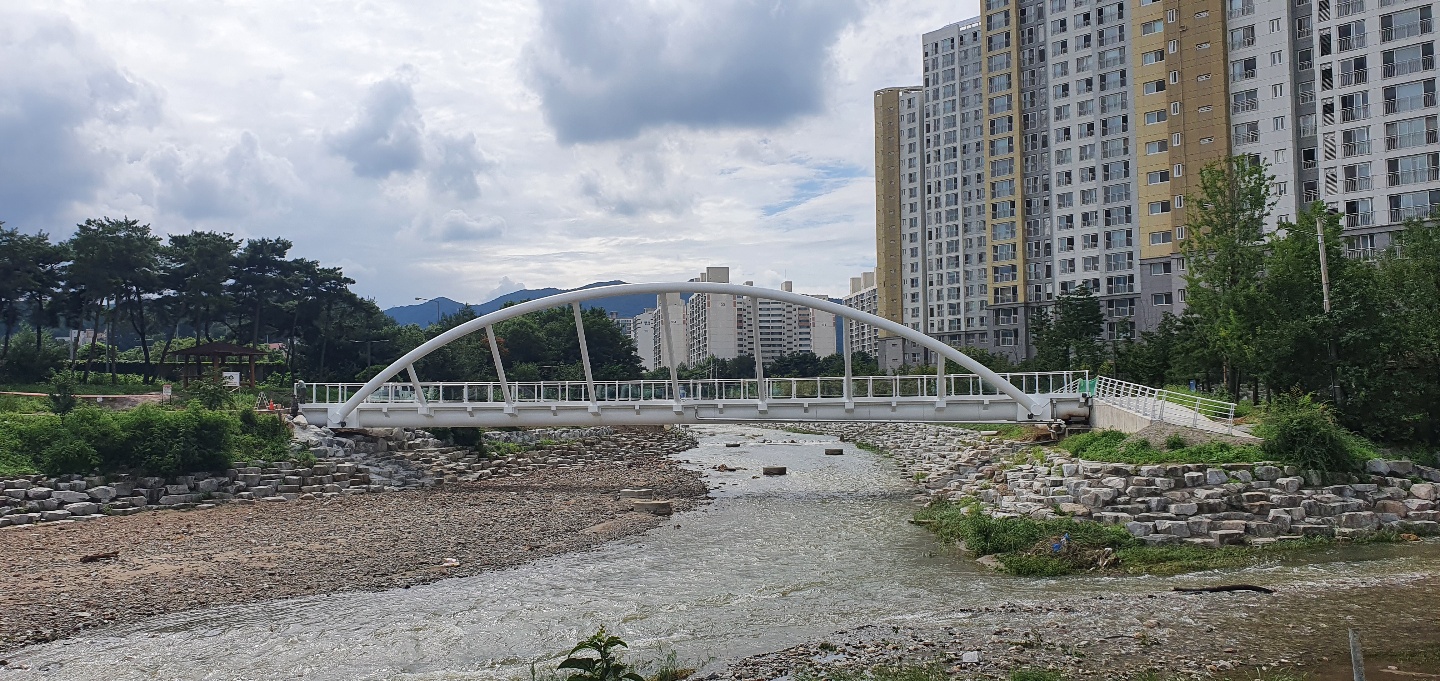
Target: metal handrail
1153,403
822,387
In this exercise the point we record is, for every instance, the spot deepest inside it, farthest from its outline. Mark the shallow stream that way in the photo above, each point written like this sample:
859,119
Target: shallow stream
773,561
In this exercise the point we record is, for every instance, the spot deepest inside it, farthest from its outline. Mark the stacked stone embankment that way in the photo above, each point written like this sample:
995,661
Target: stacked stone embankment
1207,505
371,461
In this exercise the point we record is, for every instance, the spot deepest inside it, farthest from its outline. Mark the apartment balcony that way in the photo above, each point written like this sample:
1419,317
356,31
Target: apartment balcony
1310,195
1353,220
1356,148
1351,42
1244,105
1356,113
1358,184
1308,130
1236,76
1309,164
1345,9
1364,253
1249,137
1404,31
1308,96
1356,77
1407,212
1247,41
1411,139
1412,103
1415,176
1307,64
1107,63
1409,66
1304,32
1242,11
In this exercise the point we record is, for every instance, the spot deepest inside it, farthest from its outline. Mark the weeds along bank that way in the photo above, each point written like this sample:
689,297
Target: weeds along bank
1042,510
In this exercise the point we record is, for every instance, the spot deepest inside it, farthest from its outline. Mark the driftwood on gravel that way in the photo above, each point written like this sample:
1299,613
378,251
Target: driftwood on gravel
1227,587
108,555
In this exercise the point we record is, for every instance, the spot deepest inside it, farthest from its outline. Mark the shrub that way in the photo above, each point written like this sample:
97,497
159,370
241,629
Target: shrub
69,454
99,429
211,394
1302,432
62,393
1176,441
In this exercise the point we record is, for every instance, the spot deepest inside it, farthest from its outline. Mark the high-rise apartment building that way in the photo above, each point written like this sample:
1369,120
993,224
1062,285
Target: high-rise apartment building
864,296
1058,139
724,326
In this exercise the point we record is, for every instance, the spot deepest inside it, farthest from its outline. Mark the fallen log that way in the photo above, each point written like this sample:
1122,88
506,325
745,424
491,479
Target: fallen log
94,557
1227,587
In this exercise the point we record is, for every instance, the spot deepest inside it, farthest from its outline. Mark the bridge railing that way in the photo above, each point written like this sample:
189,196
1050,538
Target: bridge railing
1164,405
825,387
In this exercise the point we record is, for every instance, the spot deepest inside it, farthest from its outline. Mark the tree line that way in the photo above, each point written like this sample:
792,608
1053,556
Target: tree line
150,295
1255,324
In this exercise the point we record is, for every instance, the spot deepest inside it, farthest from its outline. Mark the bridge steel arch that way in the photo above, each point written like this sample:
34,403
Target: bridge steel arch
1034,409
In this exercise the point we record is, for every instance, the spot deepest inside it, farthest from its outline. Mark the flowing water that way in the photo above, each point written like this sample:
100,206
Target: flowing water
773,561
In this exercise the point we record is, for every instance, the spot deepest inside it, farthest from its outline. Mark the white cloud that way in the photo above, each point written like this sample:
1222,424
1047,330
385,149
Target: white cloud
452,140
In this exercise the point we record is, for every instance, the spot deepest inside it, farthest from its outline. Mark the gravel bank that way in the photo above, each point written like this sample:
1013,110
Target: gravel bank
174,561
1300,629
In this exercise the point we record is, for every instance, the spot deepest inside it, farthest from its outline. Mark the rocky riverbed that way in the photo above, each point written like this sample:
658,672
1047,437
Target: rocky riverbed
170,562
1300,629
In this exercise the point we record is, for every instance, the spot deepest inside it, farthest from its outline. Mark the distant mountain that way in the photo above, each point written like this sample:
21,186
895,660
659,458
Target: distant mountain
425,313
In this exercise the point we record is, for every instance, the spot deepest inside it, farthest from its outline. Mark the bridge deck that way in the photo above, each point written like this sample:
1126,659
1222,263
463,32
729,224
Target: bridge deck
960,397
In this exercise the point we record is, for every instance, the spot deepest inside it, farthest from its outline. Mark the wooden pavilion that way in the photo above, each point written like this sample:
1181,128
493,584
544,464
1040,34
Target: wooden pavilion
219,355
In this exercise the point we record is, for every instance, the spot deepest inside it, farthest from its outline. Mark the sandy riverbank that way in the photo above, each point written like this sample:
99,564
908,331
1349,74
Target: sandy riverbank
174,561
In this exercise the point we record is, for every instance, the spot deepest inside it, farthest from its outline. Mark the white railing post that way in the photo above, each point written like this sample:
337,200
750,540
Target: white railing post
940,382
585,360
848,392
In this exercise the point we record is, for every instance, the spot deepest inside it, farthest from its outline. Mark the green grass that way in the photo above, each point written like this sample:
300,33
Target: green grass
1242,408
1026,547
1113,446
23,404
1008,431
91,388
14,464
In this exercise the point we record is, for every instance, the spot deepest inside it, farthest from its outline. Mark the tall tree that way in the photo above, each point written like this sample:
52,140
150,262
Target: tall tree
260,279
1068,336
198,267
1224,252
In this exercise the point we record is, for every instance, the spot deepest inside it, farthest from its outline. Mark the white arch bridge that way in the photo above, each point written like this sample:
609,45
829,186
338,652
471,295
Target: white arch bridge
980,396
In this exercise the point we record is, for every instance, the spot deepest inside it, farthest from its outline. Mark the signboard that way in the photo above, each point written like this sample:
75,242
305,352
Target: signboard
165,391
230,379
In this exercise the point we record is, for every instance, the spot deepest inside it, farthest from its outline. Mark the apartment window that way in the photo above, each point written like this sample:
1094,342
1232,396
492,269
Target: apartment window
1161,298
1407,60
1275,25
1090,263
1413,132
1278,122
1174,108
1159,268
1152,57
1406,24
1242,69
1158,239
1157,146
1157,177
1410,96
1277,90
1154,86
1153,117
1159,207
1150,27
1119,262
1277,57
1242,37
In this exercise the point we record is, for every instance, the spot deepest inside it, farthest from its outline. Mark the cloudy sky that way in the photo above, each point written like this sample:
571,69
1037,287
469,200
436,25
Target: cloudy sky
466,148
